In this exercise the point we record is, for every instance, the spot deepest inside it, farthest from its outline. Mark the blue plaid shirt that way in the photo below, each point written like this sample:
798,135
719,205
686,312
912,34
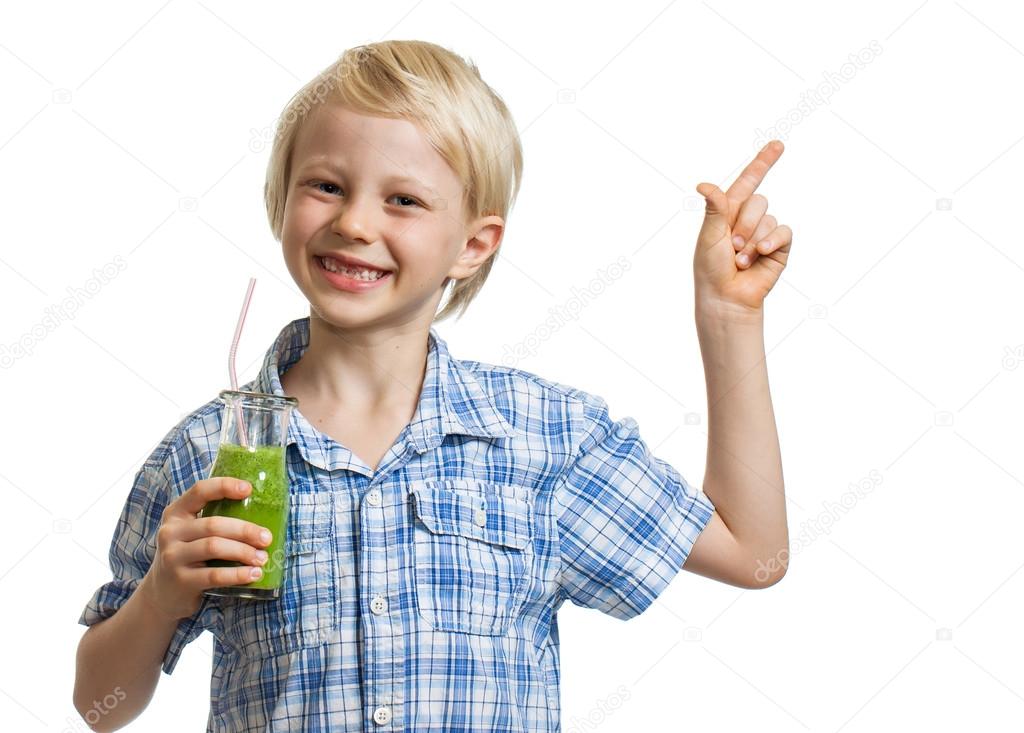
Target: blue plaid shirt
424,596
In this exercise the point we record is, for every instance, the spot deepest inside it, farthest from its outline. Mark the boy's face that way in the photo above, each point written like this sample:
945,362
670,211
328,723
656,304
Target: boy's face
340,201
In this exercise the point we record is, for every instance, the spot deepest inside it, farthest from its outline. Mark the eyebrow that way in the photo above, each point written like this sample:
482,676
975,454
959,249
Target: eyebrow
394,178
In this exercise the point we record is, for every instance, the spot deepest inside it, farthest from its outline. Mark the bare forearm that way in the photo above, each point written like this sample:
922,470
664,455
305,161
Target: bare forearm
119,659
743,477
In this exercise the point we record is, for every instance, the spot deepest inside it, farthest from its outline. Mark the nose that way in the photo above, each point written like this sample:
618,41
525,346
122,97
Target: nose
352,221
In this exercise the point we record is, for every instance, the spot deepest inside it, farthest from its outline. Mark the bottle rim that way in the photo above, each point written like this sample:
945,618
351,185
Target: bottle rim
257,399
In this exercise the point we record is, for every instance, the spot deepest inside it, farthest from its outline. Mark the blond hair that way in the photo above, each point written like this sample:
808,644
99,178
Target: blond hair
465,121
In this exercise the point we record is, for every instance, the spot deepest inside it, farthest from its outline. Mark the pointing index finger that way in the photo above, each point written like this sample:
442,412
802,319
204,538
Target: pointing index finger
751,176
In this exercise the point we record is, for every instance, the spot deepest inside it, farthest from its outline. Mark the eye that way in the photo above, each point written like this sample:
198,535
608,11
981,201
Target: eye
413,201
318,184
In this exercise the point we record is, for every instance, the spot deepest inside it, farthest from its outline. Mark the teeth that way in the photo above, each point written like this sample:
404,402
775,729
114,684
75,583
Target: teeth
360,274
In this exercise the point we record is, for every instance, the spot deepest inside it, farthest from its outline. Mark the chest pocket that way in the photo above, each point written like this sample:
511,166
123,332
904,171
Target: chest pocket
473,553
306,612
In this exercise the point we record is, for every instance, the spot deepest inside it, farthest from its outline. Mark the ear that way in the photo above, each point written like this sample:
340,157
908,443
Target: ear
482,239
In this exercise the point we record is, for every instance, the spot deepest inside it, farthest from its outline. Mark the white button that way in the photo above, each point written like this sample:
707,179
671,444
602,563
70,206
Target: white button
480,517
373,497
378,605
381,715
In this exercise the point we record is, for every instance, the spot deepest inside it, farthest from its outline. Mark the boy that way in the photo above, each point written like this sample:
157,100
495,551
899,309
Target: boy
440,510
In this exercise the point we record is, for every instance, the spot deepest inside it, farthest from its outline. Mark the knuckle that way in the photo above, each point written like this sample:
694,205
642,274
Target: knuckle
243,574
162,533
218,525
224,576
213,577
211,545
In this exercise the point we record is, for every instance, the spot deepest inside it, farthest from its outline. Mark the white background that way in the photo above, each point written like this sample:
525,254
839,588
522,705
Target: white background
894,339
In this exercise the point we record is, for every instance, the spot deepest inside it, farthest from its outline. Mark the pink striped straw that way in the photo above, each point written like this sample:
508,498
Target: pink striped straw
231,359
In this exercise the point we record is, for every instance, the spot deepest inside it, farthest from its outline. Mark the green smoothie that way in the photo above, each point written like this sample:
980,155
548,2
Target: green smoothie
267,505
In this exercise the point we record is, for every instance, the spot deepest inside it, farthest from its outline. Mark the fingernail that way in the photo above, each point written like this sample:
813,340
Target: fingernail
762,247
255,573
737,240
261,557
743,259
265,536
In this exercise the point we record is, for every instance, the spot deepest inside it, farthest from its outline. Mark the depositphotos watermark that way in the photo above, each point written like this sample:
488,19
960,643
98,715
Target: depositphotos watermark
812,529
600,712
307,99
568,311
55,315
814,98
97,711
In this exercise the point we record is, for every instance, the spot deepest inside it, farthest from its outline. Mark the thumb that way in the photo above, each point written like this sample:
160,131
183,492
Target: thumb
717,206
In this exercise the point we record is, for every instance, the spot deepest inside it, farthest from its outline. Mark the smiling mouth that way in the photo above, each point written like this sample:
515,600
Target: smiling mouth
356,273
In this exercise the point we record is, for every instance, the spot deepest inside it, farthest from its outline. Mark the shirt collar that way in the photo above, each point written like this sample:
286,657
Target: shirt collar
452,400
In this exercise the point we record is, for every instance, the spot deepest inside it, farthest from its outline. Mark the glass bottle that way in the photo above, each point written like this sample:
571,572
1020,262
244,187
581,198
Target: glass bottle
253,444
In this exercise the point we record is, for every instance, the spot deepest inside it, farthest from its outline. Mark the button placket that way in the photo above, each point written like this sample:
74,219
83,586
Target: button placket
379,629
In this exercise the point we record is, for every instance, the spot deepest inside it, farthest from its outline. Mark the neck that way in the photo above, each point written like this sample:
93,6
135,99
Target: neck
363,371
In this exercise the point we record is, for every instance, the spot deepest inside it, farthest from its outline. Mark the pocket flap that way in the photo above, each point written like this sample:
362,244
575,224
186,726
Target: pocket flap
484,515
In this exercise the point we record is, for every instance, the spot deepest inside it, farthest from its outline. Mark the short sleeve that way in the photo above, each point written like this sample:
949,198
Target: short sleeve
170,470
627,519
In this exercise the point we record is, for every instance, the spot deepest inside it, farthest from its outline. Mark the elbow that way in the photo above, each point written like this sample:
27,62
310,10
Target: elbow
97,710
769,572
770,580
94,712
85,709
79,695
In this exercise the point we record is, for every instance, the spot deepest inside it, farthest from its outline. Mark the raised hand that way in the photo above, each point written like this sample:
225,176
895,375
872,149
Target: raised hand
741,249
